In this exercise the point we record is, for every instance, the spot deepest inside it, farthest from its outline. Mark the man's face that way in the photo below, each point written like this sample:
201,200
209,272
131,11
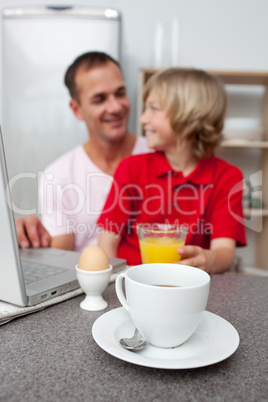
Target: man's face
103,101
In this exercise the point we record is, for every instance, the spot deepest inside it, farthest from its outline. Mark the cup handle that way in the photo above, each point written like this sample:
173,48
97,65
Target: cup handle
119,290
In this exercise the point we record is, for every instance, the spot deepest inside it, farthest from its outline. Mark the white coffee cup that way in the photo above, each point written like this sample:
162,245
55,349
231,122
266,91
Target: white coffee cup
165,301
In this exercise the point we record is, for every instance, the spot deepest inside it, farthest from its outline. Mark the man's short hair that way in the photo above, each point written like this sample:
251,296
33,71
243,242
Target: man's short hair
87,61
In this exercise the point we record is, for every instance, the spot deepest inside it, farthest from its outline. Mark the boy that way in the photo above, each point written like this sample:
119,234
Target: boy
182,182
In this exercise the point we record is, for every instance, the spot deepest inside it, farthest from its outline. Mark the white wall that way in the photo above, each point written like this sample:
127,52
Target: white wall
214,34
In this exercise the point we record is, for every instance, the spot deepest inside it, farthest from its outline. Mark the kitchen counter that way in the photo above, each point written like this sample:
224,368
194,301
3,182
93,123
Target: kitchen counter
51,355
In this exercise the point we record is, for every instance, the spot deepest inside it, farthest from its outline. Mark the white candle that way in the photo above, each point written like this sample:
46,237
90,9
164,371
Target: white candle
158,44
175,42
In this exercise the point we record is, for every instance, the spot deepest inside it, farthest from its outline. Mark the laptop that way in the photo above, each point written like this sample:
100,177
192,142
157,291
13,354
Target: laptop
31,276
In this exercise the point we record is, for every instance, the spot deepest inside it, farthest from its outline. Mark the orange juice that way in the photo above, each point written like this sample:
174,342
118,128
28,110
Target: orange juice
160,249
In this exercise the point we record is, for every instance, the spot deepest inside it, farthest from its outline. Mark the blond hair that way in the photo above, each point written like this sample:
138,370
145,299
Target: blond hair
195,103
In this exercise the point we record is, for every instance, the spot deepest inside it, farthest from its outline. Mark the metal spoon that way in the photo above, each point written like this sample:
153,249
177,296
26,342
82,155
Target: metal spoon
137,342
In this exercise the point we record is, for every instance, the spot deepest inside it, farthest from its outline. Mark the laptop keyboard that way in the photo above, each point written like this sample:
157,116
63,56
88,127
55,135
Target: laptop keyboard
33,271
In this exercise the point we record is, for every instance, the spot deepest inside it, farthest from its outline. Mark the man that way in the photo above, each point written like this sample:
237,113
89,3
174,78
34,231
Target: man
75,186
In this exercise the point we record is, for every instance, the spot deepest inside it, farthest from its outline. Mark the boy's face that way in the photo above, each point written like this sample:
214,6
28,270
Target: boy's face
158,131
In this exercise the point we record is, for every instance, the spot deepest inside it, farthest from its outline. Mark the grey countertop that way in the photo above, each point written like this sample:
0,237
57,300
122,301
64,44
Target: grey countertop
51,355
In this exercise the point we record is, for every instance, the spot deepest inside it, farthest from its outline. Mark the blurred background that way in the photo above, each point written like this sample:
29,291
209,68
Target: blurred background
207,34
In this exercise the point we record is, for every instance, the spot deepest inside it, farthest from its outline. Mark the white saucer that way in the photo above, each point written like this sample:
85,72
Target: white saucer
214,340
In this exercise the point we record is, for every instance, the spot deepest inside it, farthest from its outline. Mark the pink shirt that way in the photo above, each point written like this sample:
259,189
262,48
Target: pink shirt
72,195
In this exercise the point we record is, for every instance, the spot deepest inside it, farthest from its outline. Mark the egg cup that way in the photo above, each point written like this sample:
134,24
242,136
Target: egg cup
93,283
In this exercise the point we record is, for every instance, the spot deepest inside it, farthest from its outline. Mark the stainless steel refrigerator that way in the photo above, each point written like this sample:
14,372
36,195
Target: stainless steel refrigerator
38,45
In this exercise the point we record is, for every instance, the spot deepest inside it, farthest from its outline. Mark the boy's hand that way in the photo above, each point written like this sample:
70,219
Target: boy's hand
194,256
214,261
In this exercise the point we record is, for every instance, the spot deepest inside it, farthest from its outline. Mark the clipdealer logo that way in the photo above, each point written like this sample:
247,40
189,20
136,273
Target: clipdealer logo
10,186
253,217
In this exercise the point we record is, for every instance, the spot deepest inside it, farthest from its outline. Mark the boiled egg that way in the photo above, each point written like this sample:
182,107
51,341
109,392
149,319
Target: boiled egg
93,258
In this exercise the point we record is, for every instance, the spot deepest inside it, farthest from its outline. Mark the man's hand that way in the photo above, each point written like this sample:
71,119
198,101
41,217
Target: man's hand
31,232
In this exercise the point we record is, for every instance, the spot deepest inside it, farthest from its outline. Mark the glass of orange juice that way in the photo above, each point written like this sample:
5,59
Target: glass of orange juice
159,242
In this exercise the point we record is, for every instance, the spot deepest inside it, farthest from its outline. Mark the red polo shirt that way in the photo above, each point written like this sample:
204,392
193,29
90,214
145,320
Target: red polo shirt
146,189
